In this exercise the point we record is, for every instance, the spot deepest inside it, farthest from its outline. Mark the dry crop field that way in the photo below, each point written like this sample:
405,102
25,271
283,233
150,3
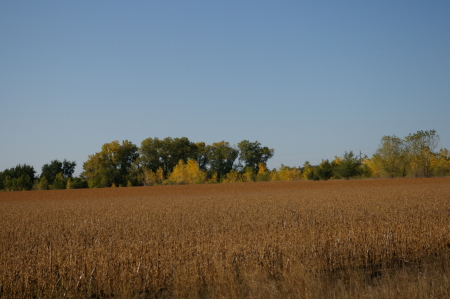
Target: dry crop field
333,239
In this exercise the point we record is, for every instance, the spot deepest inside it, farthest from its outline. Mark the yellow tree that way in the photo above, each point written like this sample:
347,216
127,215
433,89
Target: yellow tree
248,175
188,173
194,174
149,177
308,171
420,147
374,167
178,174
160,175
214,179
274,175
263,174
288,174
232,177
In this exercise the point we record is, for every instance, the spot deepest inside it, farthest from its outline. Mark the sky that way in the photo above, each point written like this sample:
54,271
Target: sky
310,79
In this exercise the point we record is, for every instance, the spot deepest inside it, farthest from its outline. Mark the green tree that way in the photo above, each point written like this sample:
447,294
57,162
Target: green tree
59,182
51,170
68,168
112,165
18,178
391,156
309,171
201,155
324,171
155,153
251,154
3,176
43,183
78,183
348,166
221,157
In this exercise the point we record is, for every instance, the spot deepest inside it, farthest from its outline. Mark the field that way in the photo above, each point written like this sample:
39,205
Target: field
333,239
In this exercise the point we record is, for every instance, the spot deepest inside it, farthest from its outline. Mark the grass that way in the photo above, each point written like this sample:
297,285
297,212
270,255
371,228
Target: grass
335,239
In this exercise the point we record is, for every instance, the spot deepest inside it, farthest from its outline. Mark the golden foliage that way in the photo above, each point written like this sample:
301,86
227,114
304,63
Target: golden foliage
248,175
307,171
214,179
274,175
289,174
151,178
232,177
188,173
374,166
263,173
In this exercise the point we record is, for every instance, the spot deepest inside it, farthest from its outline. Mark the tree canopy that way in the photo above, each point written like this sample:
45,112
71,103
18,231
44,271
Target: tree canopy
51,170
181,161
252,154
19,178
112,165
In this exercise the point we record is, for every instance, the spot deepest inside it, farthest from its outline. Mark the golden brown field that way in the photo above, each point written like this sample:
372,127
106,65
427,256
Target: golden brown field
333,239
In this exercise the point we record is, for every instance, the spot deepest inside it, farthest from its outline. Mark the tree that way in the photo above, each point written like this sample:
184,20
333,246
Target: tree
324,170
155,153
251,154
201,155
148,177
308,171
248,175
232,177
68,168
263,174
77,183
112,165
43,183
50,171
286,173
348,166
188,173
19,178
152,154
151,178
441,163
365,168
59,182
420,148
391,156
3,176
221,157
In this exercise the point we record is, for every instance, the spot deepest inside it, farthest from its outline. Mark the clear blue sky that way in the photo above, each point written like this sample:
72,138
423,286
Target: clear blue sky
310,79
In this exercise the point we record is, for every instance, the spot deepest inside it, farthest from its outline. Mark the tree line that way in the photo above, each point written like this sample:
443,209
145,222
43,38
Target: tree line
181,161
126,164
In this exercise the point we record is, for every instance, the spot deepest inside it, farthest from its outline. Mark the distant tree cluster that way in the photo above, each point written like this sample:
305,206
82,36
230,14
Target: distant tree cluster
180,161
19,178
415,155
55,175
412,156
171,161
